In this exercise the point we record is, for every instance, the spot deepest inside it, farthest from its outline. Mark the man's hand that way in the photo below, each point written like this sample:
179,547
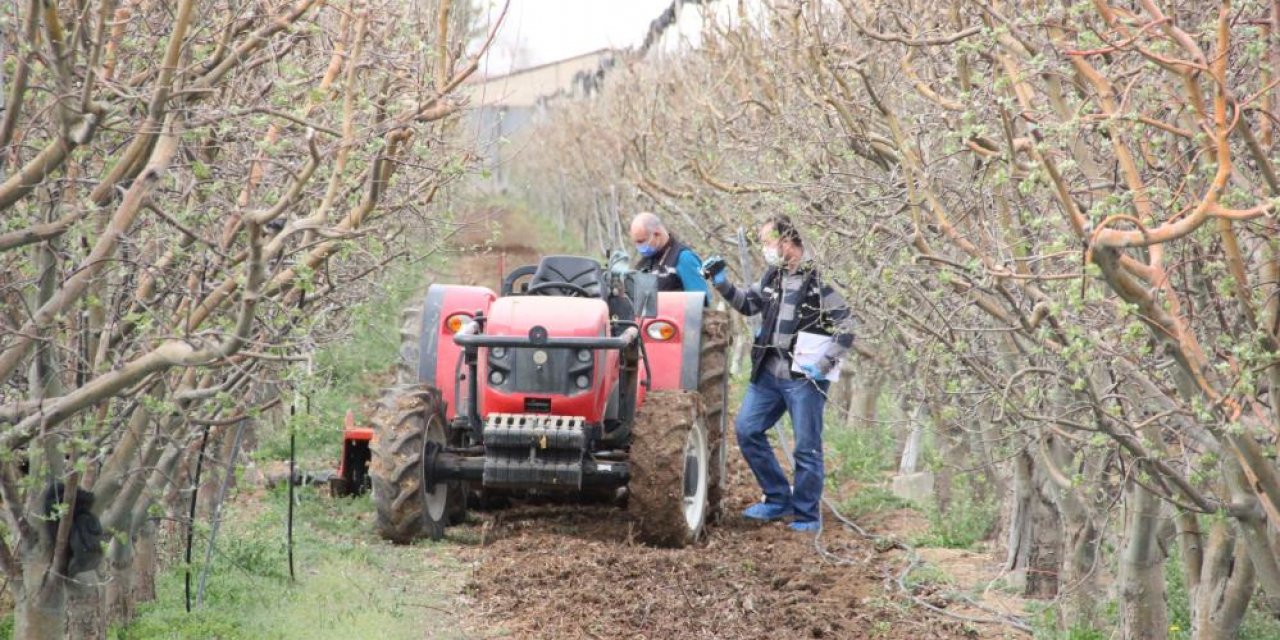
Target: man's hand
619,262
713,269
813,373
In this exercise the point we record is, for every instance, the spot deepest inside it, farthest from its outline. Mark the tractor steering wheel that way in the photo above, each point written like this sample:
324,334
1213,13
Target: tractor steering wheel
574,291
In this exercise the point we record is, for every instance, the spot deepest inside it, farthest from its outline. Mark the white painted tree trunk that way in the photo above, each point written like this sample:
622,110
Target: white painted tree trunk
910,462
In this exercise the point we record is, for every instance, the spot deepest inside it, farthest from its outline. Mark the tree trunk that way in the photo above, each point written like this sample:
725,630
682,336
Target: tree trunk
86,608
1035,541
119,591
1078,574
145,563
40,607
1226,583
1143,613
862,398
133,569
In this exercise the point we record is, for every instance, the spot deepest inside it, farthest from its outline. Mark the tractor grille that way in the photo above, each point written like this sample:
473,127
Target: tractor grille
533,451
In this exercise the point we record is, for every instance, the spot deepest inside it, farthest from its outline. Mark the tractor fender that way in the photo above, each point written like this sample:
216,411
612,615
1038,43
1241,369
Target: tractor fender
438,356
673,363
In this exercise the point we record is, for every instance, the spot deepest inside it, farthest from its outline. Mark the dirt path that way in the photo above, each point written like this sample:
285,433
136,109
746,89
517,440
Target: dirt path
573,571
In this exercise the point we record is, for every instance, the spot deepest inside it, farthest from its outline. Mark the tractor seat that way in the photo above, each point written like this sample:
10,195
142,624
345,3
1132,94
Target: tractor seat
583,272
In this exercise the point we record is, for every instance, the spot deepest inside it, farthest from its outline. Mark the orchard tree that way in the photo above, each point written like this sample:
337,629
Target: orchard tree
192,193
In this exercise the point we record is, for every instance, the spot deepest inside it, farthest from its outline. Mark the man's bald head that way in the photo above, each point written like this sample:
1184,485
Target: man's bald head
647,229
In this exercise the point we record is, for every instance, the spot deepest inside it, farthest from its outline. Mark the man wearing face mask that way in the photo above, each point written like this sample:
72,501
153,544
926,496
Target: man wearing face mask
795,303
678,268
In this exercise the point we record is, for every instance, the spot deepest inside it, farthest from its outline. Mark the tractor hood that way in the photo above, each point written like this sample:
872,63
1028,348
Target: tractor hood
553,381
562,317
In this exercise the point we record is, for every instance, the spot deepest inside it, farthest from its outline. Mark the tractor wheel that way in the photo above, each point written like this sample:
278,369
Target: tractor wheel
407,419
669,467
713,386
410,333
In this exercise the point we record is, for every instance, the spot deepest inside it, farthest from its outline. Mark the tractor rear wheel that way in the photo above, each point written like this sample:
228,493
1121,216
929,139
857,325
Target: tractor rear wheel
669,462
408,423
713,386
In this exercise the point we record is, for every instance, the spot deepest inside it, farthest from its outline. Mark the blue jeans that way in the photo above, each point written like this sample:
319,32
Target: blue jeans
763,405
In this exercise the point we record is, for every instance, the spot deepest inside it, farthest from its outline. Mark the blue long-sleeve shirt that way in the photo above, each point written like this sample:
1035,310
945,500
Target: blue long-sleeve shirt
689,268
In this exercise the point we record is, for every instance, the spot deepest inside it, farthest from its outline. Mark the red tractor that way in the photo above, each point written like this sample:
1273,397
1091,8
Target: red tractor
575,380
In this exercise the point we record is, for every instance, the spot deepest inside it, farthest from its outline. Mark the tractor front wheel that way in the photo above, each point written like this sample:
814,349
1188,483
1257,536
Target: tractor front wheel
408,425
670,465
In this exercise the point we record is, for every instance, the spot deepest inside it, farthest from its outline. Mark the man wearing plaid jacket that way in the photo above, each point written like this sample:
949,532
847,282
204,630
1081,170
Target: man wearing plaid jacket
792,299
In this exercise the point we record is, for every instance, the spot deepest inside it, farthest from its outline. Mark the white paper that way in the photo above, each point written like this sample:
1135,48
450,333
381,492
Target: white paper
809,349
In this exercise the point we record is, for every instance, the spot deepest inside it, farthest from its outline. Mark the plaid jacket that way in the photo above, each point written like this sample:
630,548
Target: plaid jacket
790,304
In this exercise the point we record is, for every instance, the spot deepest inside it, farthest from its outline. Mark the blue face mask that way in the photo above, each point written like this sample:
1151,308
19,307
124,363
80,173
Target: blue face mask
646,251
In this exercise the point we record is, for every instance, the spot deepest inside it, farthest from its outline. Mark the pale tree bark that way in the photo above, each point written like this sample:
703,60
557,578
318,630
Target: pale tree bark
1034,539
1143,611
1222,592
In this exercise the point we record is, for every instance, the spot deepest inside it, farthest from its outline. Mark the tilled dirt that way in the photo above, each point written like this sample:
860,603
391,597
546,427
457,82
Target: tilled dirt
576,571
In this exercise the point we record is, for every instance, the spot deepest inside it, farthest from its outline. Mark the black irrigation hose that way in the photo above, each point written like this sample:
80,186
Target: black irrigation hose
191,515
292,465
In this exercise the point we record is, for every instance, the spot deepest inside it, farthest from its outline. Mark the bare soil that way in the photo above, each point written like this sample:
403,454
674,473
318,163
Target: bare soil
576,571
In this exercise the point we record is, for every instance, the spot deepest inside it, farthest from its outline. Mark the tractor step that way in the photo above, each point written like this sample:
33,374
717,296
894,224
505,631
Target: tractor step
534,451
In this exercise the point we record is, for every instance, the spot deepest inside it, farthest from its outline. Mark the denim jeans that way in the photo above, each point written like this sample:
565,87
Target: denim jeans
764,404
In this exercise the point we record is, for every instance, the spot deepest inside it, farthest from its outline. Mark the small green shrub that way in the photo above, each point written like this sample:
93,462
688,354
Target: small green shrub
967,521
868,500
1043,619
860,453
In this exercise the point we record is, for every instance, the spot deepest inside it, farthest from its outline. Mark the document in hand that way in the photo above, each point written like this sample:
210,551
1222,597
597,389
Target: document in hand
809,350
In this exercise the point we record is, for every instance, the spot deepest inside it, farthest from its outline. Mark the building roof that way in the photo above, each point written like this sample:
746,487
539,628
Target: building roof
523,87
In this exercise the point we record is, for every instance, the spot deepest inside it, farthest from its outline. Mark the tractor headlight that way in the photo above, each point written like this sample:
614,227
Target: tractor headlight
583,382
584,355
497,377
661,330
456,322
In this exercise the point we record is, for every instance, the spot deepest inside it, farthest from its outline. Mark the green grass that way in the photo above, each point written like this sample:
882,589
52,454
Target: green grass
349,584
870,500
861,453
966,521
924,573
1043,618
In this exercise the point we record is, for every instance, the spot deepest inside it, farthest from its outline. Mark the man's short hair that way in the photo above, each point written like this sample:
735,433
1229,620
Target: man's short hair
650,221
786,230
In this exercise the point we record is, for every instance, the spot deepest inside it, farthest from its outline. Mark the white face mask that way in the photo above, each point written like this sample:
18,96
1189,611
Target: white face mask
772,257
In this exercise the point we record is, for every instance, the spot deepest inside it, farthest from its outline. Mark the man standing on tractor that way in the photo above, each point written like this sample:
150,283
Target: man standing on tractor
678,268
806,329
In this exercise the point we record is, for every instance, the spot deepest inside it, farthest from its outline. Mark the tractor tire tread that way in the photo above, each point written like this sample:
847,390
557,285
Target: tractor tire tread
713,375
657,460
400,423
